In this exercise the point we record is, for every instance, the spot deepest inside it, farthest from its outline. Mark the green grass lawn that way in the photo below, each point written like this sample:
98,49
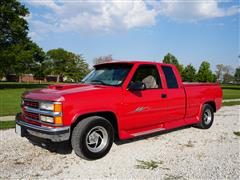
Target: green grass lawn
14,85
10,94
7,124
231,91
10,101
231,103
229,86
231,94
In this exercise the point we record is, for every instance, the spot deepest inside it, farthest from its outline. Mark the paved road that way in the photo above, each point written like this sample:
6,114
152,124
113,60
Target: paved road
229,100
7,118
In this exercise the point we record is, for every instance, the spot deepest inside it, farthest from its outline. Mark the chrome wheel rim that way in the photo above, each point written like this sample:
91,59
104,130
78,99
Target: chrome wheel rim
207,116
97,139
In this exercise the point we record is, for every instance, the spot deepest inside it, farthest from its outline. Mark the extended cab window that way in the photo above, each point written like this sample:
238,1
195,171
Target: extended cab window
108,74
170,77
147,74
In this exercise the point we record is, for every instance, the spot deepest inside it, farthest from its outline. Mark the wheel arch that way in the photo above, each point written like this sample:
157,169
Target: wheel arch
110,116
212,104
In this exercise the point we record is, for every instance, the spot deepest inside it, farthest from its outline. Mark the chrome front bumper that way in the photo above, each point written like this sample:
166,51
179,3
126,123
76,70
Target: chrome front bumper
54,134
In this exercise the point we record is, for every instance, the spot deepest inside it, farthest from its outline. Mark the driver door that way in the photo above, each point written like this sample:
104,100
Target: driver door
143,108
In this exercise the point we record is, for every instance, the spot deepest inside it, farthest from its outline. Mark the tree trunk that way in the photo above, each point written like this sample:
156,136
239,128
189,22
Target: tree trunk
19,78
58,78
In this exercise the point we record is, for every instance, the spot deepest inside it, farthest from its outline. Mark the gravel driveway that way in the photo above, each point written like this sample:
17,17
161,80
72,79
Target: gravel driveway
182,154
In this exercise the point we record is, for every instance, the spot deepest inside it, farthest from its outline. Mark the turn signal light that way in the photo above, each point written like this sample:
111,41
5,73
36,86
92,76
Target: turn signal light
58,120
57,108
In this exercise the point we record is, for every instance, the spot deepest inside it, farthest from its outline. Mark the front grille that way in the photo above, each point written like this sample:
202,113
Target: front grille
32,104
31,115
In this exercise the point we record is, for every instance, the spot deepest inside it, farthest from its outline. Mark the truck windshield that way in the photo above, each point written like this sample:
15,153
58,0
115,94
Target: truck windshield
108,74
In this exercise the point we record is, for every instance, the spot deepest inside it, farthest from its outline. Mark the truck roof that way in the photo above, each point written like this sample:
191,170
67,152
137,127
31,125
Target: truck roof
130,62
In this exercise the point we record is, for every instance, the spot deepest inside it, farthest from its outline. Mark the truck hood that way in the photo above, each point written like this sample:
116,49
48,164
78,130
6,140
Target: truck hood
57,92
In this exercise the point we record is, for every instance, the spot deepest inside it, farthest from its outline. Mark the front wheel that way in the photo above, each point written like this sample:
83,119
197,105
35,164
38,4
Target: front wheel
92,138
207,117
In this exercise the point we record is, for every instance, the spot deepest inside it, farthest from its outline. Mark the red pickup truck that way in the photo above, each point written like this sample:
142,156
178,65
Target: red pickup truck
117,100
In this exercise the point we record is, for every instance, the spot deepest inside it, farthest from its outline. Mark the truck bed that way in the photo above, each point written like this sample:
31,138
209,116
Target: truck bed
200,93
190,84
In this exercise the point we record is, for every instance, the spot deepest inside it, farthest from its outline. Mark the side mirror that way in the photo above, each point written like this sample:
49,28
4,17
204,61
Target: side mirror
137,86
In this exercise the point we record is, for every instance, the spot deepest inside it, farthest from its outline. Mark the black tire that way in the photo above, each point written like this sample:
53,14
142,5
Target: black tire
81,137
207,117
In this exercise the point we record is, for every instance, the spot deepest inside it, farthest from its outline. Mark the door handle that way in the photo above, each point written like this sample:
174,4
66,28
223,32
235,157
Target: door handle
164,95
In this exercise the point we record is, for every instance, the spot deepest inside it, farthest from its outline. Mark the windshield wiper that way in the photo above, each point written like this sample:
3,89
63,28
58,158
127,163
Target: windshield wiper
98,81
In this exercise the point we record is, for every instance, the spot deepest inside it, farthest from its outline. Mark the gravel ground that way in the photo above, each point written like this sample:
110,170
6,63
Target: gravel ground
187,153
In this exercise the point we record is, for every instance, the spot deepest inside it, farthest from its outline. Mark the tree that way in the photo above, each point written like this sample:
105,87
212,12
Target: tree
77,68
228,78
18,54
103,59
13,26
227,74
204,73
237,75
214,78
66,64
189,73
219,72
170,59
21,58
57,59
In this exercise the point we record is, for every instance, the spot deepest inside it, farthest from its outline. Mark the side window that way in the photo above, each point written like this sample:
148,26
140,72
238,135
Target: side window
170,77
147,74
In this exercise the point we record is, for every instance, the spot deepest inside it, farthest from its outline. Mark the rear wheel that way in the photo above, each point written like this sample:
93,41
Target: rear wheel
92,138
207,117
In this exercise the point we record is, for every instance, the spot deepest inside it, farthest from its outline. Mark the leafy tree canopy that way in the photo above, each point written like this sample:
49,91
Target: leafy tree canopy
170,59
237,75
189,73
18,54
13,26
204,73
21,58
63,63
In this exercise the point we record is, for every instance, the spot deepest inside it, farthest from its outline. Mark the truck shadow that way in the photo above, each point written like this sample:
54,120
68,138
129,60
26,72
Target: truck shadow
65,147
59,148
147,136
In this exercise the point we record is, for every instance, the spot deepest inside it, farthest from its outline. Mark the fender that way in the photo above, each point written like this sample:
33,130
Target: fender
208,101
86,113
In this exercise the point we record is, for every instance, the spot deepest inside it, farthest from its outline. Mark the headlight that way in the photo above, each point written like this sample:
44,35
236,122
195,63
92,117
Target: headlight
47,106
50,119
55,107
46,119
55,116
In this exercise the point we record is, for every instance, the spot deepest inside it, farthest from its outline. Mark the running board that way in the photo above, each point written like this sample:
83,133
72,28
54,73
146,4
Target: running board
147,132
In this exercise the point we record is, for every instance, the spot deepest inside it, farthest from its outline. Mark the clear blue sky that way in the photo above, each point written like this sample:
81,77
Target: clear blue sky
193,31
